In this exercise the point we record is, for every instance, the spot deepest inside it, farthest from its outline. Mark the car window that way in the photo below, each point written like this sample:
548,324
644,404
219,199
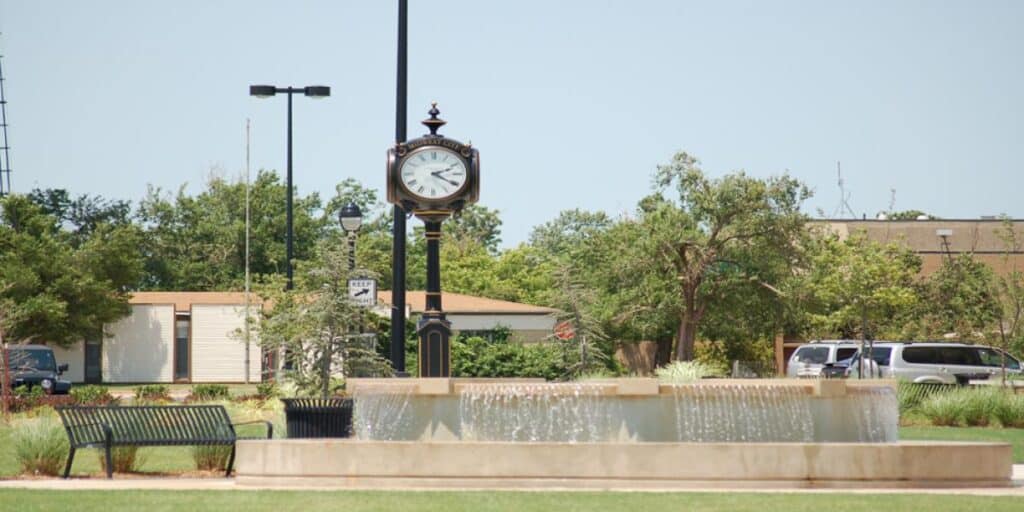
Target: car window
921,355
994,358
881,355
812,355
961,356
990,357
845,353
31,359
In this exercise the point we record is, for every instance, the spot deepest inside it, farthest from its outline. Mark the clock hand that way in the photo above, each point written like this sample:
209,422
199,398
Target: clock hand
437,174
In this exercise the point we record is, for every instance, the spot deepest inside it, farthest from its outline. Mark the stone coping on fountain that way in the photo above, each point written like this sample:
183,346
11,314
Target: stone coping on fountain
349,463
824,388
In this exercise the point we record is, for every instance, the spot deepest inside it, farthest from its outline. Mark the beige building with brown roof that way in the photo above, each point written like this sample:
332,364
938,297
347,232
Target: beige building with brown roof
935,239
199,336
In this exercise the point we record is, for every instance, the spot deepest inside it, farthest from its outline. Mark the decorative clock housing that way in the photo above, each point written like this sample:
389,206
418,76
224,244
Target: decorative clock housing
433,174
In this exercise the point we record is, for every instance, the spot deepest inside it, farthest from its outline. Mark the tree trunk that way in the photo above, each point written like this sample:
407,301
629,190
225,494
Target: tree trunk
664,354
687,335
687,326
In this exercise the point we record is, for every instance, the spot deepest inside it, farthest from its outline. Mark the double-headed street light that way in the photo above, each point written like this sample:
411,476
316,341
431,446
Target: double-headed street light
351,219
266,91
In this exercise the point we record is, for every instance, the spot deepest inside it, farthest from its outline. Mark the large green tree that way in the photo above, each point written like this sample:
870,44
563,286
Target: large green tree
700,241
198,242
854,287
58,286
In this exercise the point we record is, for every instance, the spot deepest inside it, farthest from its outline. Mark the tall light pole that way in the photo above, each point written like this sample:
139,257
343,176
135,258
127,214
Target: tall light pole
398,214
266,91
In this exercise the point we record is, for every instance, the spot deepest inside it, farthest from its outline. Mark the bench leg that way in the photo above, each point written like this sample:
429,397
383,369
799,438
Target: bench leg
71,457
110,462
231,462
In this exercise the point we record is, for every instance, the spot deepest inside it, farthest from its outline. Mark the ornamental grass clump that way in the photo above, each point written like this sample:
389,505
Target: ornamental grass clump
126,459
943,409
41,446
92,395
152,393
209,393
211,458
910,395
980,405
1010,411
687,371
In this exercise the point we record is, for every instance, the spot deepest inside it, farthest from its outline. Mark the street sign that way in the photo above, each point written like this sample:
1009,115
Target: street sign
564,331
363,291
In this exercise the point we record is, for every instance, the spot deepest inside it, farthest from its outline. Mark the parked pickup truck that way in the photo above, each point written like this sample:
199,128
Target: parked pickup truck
34,365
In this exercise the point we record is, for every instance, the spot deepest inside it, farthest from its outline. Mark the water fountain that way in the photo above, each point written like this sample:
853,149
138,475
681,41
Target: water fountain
622,433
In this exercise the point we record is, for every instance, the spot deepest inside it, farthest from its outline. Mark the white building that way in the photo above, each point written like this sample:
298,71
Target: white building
199,336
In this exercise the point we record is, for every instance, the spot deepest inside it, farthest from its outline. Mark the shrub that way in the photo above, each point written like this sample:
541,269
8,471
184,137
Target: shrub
126,459
1010,411
687,371
209,393
152,393
267,390
476,357
41,446
91,395
943,409
211,458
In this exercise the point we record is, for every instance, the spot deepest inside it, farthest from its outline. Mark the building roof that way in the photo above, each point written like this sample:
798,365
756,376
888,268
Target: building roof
466,304
416,301
183,301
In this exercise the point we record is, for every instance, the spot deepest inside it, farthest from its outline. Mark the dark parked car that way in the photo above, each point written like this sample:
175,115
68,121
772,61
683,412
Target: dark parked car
34,365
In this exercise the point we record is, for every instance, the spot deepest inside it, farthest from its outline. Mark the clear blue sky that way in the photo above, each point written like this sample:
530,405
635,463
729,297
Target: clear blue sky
572,104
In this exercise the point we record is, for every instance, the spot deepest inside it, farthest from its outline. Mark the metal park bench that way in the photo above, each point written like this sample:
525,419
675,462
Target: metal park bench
107,427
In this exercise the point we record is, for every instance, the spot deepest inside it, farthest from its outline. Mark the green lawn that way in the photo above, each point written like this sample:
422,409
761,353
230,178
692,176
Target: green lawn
350,501
1014,436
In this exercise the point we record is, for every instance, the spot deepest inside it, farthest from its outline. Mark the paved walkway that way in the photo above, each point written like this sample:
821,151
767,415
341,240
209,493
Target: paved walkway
226,484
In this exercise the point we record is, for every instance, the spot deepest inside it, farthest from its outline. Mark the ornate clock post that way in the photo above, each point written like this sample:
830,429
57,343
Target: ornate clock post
433,177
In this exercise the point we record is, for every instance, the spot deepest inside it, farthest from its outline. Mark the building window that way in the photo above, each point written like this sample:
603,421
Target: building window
181,346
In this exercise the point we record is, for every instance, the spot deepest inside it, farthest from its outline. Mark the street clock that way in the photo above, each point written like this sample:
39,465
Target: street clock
433,177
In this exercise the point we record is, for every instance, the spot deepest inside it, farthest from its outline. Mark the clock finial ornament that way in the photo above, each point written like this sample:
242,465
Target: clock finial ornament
434,122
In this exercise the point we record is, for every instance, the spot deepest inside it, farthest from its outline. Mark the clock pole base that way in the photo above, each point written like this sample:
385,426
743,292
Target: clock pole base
434,346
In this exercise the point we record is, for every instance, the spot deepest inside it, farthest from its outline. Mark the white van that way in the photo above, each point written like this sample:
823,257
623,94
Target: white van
938,363
809,360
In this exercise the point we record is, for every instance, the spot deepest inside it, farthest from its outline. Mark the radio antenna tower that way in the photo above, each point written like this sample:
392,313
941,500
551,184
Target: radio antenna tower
844,198
5,155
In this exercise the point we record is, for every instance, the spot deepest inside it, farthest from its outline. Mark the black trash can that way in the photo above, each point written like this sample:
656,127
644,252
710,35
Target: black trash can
318,417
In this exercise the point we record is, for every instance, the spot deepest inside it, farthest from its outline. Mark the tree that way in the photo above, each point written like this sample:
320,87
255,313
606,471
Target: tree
56,291
572,298
569,232
1009,293
700,241
198,242
477,224
82,214
960,298
854,287
317,324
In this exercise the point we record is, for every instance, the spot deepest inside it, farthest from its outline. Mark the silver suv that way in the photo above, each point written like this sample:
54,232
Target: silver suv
937,363
808,361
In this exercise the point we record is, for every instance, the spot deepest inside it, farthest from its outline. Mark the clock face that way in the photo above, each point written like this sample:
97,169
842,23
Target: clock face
433,173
